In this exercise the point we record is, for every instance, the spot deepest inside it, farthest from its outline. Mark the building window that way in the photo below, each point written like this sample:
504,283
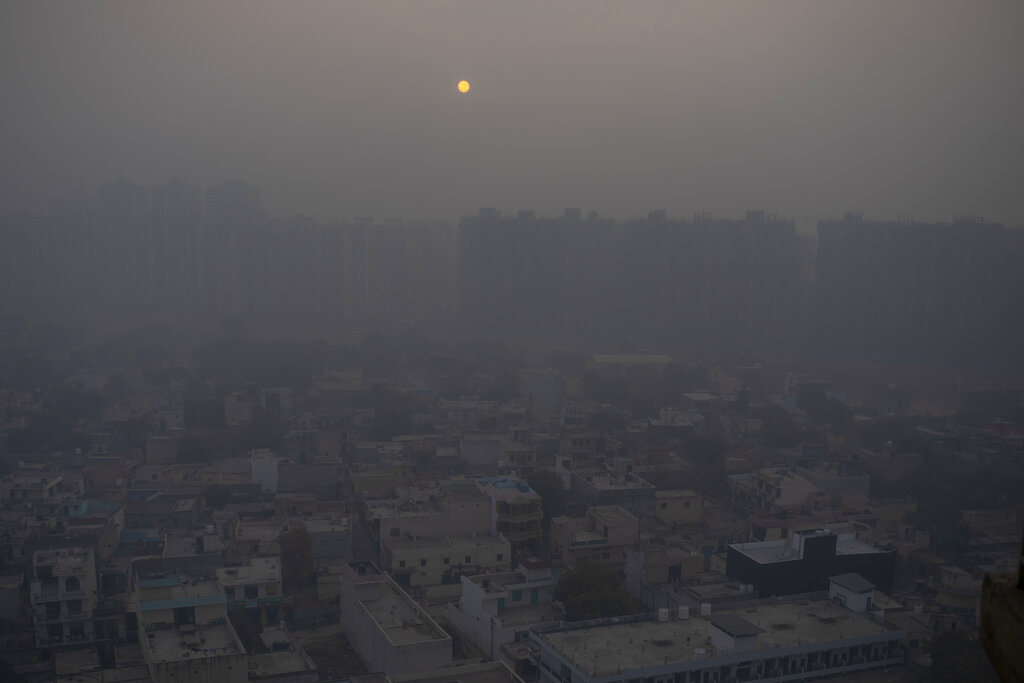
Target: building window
271,589
469,559
423,563
517,596
447,560
664,506
251,592
686,503
401,563
500,556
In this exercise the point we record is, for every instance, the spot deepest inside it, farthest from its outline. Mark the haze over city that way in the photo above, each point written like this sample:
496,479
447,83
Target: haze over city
805,108
509,341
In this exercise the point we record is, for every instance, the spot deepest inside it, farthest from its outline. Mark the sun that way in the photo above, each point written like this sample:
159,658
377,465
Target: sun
463,87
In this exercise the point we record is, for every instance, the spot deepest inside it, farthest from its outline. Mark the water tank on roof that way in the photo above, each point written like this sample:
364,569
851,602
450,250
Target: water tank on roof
684,612
663,614
705,609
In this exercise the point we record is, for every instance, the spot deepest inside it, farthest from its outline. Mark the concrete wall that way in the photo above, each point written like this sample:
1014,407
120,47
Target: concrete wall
222,669
679,507
371,642
858,602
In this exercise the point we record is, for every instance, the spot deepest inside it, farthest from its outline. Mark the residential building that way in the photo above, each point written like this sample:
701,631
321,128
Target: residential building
805,561
628,491
500,608
679,507
255,586
417,562
27,488
388,629
515,510
837,478
851,590
652,570
776,489
771,642
331,539
185,634
602,536
62,592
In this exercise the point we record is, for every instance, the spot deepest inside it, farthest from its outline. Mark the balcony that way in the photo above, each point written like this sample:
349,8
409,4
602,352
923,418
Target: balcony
520,518
109,606
251,603
520,536
41,617
39,593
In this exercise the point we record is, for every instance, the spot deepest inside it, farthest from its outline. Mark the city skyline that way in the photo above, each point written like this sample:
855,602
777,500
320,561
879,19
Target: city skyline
337,110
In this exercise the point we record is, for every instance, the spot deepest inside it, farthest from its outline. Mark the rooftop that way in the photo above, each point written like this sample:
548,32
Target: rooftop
489,672
611,514
435,542
396,614
525,615
258,570
852,581
612,482
496,582
632,359
766,552
158,595
639,644
210,640
506,489
735,625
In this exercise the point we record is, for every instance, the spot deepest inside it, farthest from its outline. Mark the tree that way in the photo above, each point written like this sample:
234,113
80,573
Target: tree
956,657
778,428
296,559
593,591
552,496
607,422
7,672
216,496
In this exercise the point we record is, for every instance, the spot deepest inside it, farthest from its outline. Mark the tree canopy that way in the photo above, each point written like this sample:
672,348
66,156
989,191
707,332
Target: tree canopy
593,591
956,657
552,496
296,559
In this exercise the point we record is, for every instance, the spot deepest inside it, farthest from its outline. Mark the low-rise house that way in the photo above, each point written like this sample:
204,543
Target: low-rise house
185,634
255,587
679,507
62,593
777,641
388,629
500,608
417,562
602,536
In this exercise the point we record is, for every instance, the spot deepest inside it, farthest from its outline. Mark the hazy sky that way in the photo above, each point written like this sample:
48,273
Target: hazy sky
341,108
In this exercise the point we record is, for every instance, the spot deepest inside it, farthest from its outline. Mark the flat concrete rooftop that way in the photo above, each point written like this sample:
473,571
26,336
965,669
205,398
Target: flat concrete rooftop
525,615
278,663
766,552
258,570
212,640
400,619
642,644
497,581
